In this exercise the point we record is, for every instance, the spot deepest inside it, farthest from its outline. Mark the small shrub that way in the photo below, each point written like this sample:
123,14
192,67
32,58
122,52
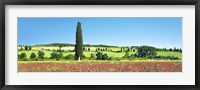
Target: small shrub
92,56
105,57
83,57
60,55
70,57
53,55
101,56
56,56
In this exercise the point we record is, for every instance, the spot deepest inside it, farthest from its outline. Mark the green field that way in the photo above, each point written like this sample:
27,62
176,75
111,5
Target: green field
112,53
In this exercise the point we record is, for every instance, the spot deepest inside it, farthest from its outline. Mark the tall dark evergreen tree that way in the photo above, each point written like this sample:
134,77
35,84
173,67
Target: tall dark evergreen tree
26,47
21,48
29,48
79,42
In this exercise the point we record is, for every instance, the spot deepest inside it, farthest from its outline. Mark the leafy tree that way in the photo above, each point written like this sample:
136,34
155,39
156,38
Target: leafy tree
53,55
33,55
99,55
105,57
41,54
79,43
23,56
146,51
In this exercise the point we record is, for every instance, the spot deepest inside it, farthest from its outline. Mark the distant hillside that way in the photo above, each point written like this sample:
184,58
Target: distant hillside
66,44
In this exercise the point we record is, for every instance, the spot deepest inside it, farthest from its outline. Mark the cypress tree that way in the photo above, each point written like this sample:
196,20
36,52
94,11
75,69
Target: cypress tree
26,47
29,48
21,48
79,42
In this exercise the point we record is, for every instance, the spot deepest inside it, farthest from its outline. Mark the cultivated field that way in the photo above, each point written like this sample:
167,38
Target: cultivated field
106,66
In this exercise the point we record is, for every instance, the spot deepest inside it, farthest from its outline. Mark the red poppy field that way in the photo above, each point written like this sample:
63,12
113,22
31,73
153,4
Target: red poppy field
101,67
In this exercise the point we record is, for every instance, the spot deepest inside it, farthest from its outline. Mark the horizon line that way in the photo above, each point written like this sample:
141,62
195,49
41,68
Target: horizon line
98,44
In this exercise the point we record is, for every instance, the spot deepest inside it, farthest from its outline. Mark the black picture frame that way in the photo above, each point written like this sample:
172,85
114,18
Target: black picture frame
3,3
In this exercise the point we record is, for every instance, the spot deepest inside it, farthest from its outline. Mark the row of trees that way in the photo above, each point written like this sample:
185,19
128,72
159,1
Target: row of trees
103,49
23,56
127,50
72,45
57,56
86,49
97,49
170,49
25,48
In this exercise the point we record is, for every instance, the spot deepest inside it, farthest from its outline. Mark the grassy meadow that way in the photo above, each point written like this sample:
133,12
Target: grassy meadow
112,53
117,64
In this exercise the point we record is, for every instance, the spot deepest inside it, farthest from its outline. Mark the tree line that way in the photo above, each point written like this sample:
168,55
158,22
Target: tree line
25,47
142,52
170,49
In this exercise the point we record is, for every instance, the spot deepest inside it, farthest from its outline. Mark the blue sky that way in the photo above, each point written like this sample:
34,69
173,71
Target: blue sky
157,32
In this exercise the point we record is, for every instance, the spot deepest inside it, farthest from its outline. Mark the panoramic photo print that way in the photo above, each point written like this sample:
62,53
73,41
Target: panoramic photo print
131,44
